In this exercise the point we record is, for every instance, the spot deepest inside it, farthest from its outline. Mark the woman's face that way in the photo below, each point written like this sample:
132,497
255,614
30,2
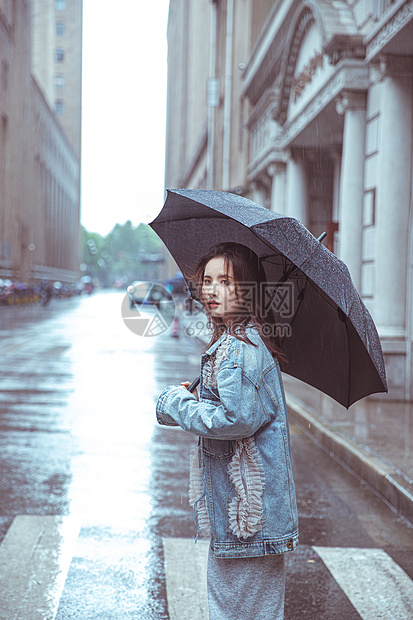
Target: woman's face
219,291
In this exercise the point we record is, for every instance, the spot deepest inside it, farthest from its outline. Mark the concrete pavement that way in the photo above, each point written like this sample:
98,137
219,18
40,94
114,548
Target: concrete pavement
373,438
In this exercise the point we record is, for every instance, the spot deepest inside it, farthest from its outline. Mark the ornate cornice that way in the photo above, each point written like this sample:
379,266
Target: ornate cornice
281,41
289,62
389,29
338,46
351,75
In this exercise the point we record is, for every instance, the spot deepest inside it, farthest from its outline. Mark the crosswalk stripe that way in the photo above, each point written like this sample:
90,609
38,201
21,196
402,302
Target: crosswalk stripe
185,571
375,585
36,553
35,556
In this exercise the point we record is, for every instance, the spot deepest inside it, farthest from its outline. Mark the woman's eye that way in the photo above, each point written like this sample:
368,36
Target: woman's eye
225,282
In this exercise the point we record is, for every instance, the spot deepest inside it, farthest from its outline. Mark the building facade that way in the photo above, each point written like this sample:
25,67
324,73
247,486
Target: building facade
57,61
308,110
40,140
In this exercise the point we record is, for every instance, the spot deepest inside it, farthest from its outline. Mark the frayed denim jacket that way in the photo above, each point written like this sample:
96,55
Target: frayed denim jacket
241,483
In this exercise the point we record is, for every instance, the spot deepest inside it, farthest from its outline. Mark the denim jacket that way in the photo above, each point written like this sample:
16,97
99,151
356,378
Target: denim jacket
241,483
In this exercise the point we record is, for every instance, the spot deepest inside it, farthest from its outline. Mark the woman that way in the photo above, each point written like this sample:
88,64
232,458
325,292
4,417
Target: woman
241,479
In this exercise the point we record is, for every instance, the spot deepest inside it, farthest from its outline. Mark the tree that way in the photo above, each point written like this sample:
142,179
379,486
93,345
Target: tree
126,254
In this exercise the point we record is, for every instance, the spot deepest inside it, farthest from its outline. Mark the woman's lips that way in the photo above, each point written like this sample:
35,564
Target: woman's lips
213,304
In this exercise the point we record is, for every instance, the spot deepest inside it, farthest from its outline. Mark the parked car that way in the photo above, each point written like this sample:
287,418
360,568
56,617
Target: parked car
148,293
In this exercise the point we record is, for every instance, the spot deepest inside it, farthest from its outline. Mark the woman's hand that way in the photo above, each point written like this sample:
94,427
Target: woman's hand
186,385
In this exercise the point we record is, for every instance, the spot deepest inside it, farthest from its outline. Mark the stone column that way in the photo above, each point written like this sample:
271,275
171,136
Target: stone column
277,172
353,106
333,239
335,211
393,198
296,189
258,193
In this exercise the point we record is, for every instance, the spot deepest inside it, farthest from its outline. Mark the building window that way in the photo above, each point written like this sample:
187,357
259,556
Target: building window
60,28
60,5
59,107
59,80
60,54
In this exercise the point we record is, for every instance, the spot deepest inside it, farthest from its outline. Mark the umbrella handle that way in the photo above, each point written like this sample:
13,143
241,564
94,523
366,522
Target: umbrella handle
194,384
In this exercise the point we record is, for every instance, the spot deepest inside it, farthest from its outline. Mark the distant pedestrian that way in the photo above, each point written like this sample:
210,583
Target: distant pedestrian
241,482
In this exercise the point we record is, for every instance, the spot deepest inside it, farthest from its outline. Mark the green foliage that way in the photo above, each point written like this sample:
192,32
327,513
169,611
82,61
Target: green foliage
126,254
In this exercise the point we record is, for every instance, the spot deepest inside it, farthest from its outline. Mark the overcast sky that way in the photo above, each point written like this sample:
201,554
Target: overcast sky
124,109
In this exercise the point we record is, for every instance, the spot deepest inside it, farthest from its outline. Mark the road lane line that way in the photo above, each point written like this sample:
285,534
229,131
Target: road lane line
35,556
15,344
56,351
185,571
375,585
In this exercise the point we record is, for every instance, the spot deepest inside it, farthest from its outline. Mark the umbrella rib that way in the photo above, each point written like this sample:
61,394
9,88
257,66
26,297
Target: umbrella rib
300,299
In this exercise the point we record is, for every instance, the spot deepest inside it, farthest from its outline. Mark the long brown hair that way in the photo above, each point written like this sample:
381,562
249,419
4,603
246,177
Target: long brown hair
248,275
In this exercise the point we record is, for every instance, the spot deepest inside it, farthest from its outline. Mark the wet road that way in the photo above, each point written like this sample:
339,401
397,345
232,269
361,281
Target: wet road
79,440
79,437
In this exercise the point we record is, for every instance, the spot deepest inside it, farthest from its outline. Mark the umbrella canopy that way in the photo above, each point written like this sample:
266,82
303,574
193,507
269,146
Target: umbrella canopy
328,336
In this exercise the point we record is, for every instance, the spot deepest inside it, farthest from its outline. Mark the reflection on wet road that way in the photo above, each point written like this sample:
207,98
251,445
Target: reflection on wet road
79,437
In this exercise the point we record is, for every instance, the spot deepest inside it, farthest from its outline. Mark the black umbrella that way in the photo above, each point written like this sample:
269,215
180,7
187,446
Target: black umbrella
328,336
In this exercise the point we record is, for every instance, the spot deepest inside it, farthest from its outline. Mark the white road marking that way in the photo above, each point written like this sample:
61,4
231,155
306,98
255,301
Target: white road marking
35,556
36,553
185,570
375,585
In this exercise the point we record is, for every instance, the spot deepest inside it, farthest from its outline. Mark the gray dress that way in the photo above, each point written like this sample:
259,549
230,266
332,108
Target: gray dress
246,588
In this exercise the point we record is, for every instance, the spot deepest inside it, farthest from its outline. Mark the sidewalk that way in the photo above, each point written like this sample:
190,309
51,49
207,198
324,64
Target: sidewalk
373,438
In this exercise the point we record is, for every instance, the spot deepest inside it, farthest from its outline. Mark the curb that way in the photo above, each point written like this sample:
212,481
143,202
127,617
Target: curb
378,476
